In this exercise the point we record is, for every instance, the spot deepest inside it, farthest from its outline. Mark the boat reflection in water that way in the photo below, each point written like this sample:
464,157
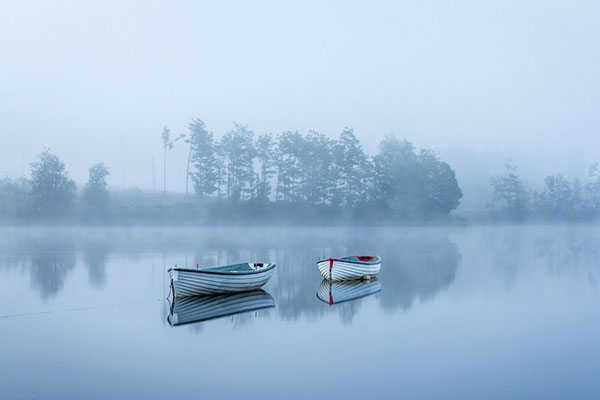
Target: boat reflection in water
201,308
338,292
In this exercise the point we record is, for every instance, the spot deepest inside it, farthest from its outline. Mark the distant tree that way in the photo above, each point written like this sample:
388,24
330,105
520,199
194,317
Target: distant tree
168,144
439,188
335,191
265,154
203,153
221,171
95,193
579,206
288,151
395,175
352,167
52,192
14,198
252,189
592,191
238,150
366,194
511,197
315,164
413,185
561,199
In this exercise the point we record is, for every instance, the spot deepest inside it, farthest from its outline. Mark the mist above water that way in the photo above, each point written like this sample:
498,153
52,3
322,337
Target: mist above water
477,83
457,140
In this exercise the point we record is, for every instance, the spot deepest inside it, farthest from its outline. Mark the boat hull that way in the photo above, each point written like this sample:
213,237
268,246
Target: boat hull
339,292
343,270
201,308
194,283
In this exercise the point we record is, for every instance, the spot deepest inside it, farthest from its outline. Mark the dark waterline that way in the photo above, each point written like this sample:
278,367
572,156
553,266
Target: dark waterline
483,312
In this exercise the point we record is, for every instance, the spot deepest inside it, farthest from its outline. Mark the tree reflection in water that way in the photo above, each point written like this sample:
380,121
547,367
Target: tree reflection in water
95,255
417,262
417,267
52,260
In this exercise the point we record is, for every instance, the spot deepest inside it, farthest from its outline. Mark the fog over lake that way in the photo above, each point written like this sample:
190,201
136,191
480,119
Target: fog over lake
494,312
143,142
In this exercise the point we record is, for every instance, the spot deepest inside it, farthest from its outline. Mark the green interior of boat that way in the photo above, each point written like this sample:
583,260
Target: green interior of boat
244,267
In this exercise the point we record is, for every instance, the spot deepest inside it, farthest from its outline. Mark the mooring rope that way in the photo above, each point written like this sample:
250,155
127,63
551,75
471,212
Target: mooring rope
67,310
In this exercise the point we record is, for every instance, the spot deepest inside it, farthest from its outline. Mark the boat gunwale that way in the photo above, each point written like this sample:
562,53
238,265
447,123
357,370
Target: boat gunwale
376,260
208,270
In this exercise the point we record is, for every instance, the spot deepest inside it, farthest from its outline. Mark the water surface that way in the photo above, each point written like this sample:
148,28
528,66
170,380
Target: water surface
481,312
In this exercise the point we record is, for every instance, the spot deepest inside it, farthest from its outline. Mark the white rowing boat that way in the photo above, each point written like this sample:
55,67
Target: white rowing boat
227,279
338,292
202,308
348,268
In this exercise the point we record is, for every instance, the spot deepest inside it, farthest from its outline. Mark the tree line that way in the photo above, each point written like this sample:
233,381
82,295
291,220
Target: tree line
312,168
560,199
51,195
243,176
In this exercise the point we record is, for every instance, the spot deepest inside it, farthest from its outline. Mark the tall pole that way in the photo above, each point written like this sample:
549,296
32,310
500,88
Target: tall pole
153,175
165,172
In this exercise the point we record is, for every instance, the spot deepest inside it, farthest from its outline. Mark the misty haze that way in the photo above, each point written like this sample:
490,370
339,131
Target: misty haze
442,158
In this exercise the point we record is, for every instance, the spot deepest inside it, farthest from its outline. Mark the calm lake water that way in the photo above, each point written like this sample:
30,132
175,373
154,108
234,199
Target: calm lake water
465,313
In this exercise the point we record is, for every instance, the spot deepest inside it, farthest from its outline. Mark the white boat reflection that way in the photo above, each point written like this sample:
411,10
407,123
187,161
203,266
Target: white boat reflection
338,292
201,308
